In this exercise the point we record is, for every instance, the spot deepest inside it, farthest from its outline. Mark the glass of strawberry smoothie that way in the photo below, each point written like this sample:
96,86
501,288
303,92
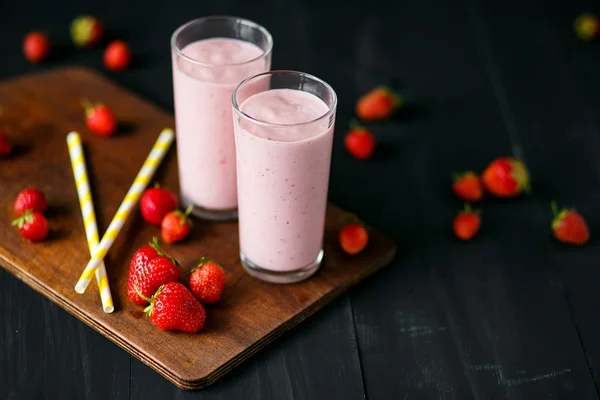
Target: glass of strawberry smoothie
283,122
211,56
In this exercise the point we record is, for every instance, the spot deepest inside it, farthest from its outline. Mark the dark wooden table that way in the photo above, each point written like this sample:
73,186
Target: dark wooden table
512,314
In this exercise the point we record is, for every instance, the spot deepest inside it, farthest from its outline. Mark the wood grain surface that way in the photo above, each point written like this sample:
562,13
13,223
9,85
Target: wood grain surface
38,111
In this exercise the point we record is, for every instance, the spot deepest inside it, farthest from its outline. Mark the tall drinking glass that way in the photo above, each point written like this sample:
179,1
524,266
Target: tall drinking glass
283,122
211,56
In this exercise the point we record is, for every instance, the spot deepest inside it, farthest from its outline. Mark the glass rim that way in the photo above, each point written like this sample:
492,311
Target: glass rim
238,110
238,20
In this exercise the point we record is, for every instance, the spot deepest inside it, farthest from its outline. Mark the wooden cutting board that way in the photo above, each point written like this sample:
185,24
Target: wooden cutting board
37,112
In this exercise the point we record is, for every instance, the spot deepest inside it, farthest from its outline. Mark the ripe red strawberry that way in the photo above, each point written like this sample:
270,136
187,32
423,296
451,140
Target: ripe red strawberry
207,281
117,56
467,223
86,31
587,27
30,199
36,47
569,226
467,186
149,269
174,308
506,177
5,146
32,225
359,141
353,238
99,118
380,103
156,203
176,225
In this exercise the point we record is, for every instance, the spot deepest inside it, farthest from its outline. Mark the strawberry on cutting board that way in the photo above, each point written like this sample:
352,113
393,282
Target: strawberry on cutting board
150,268
569,226
174,308
156,203
32,225
99,118
176,225
30,199
353,238
207,281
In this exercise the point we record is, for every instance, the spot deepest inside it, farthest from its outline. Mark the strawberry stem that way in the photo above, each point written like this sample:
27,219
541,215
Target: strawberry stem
354,124
26,217
185,216
87,106
149,300
554,208
154,244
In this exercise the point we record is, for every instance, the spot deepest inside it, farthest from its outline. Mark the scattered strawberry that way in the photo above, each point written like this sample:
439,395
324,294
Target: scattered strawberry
176,225
86,31
569,226
5,146
359,141
207,281
467,186
36,47
506,177
587,27
467,223
174,308
156,203
353,238
99,118
380,103
30,199
117,56
150,268
32,225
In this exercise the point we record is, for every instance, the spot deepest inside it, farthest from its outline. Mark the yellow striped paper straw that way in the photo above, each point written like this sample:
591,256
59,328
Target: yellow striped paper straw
160,148
89,216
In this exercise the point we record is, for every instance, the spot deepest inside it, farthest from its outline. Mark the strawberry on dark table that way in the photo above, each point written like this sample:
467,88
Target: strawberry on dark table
467,186
86,31
569,226
117,56
36,47
378,104
467,223
359,141
506,177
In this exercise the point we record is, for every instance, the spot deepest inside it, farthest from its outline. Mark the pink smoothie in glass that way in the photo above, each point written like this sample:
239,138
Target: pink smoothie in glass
205,140
283,175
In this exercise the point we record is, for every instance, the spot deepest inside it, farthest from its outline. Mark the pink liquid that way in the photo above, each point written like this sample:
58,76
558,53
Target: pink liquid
283,175
205,141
